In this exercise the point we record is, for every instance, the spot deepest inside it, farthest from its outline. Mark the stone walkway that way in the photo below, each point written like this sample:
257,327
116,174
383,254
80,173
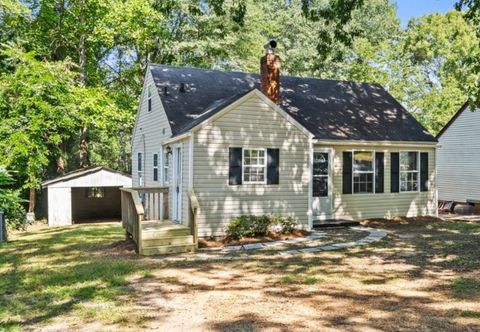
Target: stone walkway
240,252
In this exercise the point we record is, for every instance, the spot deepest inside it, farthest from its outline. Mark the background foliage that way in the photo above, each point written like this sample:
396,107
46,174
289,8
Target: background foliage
71,71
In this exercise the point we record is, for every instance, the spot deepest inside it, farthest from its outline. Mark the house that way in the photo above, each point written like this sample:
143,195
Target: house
318,150
459,158
85,194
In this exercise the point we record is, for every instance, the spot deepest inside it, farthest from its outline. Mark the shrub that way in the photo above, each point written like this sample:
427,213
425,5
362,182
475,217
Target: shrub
287,224
253,226
10,201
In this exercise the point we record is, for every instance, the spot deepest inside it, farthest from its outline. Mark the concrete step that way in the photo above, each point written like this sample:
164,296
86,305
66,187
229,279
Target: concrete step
334,223
162,250
168,241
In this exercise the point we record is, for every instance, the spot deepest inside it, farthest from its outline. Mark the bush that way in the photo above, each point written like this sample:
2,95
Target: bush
10,202
287,224
253,226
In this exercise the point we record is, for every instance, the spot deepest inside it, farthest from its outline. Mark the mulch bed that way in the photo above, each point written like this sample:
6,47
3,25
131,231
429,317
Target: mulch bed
270,237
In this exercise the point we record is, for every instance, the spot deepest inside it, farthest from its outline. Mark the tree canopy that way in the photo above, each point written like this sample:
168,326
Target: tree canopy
71,71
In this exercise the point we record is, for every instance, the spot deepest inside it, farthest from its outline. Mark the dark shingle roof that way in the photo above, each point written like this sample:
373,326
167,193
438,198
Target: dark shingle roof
328,109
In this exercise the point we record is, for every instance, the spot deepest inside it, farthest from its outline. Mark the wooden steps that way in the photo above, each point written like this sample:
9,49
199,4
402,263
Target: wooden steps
165,237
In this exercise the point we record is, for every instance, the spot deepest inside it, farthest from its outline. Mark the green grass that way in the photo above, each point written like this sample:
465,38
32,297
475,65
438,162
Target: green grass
299,279
471,314
466,287
55,271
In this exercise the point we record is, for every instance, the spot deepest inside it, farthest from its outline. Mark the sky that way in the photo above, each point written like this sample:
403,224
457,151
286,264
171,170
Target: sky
407,9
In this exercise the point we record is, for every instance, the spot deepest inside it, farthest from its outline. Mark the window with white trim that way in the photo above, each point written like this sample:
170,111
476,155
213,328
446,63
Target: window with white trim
139,169
155,167
254,164
149,97
363,170
409,171
166,167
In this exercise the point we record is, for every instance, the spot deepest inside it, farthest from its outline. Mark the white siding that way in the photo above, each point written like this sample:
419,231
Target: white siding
149,134
459,159
361,206
59,206
252,124
102,178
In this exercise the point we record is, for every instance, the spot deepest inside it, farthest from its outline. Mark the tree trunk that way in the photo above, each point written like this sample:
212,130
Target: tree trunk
84,159
60,166
31,200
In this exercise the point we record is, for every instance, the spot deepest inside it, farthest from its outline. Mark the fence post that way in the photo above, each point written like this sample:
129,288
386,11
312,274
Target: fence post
3,228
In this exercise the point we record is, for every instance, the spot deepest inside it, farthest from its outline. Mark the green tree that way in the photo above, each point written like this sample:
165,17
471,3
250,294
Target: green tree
472,86
42,106
10,200
429,67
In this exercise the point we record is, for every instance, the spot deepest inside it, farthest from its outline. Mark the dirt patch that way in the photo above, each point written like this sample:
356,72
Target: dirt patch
271,237
382,222
422,277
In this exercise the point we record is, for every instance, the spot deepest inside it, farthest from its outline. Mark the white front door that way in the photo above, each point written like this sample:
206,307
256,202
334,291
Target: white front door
321,173
177,185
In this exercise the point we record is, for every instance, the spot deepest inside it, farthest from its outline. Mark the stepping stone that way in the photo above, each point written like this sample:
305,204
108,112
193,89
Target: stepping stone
289,252
329,248
252,246
406,236
232,249
309,250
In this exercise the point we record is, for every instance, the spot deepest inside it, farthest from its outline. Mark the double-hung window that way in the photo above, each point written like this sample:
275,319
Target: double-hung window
155,167
254,164
166,168
139,169
149,97
363,172
409,171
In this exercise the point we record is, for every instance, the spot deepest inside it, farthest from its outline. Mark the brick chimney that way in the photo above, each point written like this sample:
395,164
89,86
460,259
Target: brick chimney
270,73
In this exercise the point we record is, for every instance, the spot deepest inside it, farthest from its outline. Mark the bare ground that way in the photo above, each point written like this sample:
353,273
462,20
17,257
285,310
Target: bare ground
423,277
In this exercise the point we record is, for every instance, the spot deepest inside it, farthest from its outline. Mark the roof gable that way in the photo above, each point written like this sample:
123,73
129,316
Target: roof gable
328,109
83,172
452,120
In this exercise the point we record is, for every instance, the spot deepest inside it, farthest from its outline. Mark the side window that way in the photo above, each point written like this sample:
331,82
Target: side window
254,166
95,192
155,167
166,167
149,97
139,169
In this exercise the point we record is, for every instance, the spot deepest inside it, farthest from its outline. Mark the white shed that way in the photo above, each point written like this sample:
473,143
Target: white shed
85,194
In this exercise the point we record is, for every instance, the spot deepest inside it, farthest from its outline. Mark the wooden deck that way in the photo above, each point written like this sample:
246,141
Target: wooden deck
145,219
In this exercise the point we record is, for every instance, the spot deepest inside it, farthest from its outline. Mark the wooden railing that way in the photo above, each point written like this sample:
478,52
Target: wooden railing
132,215
140,204
155,202
194,207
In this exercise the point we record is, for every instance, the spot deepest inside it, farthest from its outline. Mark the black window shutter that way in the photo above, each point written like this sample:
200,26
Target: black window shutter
235,166
273,163
424,171
394,172
347,172
379,172
149,104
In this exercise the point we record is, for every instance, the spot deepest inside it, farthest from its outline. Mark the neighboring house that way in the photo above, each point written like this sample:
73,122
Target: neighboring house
85,194
459,158
318,150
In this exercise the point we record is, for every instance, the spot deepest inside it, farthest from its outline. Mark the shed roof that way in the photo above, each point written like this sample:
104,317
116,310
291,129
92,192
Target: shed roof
79,173
329,109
